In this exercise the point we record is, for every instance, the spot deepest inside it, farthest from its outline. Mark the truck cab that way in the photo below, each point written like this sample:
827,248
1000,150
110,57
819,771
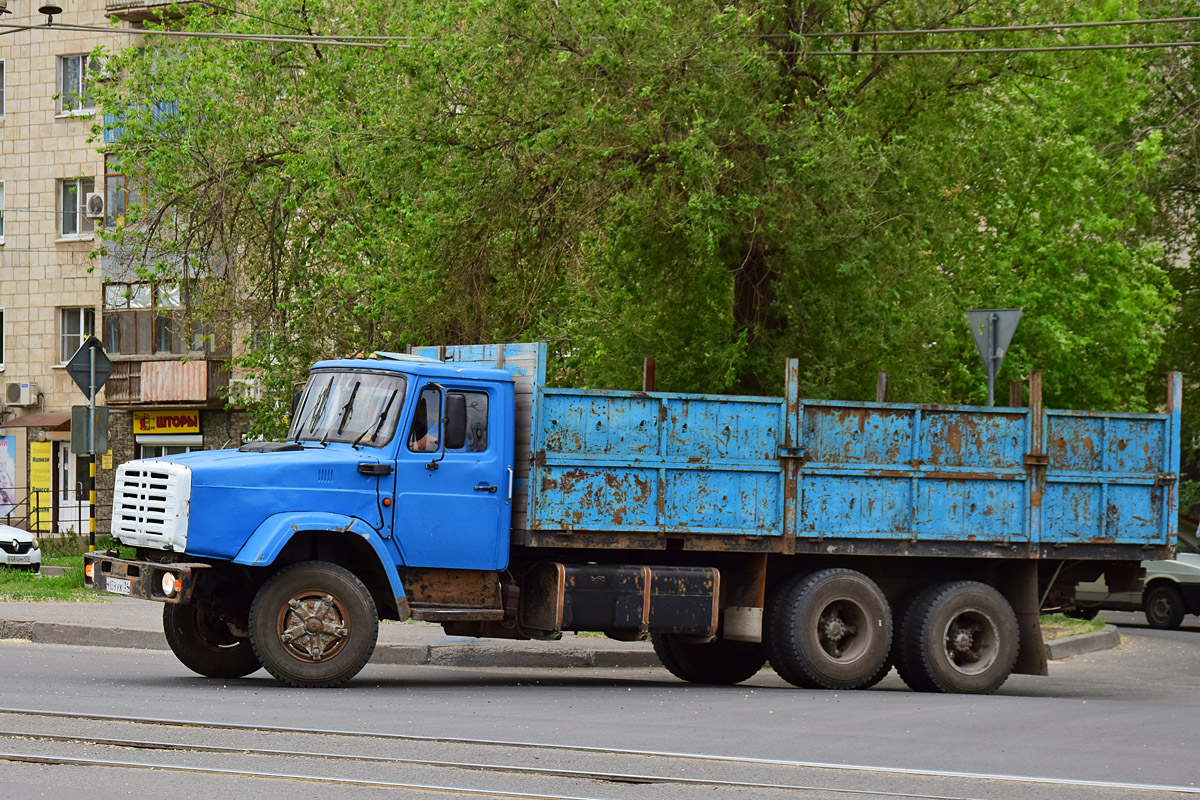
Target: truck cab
393,465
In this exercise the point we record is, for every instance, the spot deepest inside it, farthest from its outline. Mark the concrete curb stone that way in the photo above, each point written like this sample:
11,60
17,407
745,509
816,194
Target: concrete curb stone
465,653
1082,643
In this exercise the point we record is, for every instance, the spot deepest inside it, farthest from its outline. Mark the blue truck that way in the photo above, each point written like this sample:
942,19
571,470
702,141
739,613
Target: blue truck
834,540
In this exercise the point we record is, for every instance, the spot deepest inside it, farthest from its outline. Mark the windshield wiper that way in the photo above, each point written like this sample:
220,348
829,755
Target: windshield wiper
317,412
346,408
382,416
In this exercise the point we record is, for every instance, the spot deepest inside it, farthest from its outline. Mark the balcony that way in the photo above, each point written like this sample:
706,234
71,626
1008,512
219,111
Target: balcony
150,380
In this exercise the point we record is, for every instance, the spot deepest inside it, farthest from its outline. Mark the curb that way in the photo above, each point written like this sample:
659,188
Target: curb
1083,643
440,655
461,655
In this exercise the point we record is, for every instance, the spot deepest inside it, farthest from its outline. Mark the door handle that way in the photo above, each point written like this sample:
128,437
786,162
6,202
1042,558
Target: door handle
483,487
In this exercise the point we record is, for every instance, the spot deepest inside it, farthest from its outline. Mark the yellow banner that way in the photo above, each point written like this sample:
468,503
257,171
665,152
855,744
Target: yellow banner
41,484
167,421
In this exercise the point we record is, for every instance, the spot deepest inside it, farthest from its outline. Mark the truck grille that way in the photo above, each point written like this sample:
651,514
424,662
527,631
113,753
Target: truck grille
150,504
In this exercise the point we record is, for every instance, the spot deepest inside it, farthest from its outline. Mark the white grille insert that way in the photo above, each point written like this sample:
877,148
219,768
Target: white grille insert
150,504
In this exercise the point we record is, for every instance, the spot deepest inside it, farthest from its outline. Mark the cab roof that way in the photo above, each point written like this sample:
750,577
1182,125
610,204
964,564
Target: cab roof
416,365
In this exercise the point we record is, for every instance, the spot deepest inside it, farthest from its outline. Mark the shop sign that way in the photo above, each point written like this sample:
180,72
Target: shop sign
167,421
41,484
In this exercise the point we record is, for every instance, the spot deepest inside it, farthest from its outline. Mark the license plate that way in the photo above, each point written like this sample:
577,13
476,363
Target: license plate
116,585
19,559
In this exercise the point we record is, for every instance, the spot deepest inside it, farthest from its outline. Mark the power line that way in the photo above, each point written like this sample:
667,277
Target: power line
992,50
377,42
333,41
1051,26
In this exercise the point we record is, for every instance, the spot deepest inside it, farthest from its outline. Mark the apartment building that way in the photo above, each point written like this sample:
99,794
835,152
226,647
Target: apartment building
56,196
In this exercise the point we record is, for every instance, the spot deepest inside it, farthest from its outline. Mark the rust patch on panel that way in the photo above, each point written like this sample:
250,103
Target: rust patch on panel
451,587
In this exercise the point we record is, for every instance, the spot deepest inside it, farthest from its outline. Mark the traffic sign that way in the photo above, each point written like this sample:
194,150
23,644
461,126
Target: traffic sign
82,370
993,329
84,430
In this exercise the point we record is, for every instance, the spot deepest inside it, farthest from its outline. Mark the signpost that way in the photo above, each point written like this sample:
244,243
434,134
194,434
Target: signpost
90,368
992,329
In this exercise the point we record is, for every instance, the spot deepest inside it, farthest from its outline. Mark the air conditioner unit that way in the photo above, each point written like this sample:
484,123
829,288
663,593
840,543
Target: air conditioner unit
21,394
94,207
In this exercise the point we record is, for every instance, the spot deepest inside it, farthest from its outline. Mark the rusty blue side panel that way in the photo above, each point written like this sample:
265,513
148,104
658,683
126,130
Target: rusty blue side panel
893,471
1111,478
770,467
635,461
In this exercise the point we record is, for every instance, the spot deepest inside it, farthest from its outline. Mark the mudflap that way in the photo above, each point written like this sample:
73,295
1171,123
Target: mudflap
1019,583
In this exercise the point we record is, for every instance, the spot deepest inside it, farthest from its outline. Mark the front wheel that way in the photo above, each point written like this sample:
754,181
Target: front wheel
204,644
722,662
958,637
829,630
1163,605
313,624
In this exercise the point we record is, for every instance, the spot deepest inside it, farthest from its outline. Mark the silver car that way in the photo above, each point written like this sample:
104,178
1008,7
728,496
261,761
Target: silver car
1171,590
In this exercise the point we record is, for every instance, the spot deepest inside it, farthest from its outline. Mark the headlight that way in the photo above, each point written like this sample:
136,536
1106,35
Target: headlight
169,584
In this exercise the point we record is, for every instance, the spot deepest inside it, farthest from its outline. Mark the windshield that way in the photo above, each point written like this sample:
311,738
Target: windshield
356,407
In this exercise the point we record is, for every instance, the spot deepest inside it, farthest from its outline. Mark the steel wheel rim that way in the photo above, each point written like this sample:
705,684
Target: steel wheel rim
313,625
1160,607
839,629
214,632
971,642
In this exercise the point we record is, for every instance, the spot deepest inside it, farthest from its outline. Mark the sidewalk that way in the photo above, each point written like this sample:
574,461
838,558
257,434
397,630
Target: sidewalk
124,622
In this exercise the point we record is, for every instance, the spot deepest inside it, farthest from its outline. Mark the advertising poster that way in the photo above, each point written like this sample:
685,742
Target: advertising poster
41,483
8,473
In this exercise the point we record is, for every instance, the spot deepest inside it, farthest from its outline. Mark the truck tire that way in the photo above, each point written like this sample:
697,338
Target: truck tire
829,630
204,644
722,662
313,624
957,637
1163,605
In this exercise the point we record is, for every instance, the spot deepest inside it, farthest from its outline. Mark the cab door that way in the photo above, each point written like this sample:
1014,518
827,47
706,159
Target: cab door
453,508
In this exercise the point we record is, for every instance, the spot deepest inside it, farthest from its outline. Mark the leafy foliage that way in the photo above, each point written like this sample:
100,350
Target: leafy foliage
630,178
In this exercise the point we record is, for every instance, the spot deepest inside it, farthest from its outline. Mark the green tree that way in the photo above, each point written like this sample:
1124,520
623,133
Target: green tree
687,181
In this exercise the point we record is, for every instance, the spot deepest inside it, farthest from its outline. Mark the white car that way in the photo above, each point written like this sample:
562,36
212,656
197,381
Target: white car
19,549
1171,591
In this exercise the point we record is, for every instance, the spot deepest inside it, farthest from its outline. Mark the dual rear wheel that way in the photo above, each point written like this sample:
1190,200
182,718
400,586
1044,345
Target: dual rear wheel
834,629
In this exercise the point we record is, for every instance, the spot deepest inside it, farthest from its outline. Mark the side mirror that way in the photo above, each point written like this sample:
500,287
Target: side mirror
456,421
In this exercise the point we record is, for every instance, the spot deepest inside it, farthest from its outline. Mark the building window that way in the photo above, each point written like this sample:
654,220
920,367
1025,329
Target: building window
3,87
144,319
1,338
73,84
72,196
1,212
75,326
116,196
160,450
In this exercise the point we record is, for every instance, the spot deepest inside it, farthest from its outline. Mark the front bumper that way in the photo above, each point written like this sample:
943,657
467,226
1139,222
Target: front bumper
103,572
31,559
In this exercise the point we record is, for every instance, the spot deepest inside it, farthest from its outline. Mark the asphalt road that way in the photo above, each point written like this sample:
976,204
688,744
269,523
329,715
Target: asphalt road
1124,716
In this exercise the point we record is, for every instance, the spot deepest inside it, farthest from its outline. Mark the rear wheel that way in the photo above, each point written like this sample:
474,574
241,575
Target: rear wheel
829,630
1163,605
204,644
958,637
722,662
313,624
